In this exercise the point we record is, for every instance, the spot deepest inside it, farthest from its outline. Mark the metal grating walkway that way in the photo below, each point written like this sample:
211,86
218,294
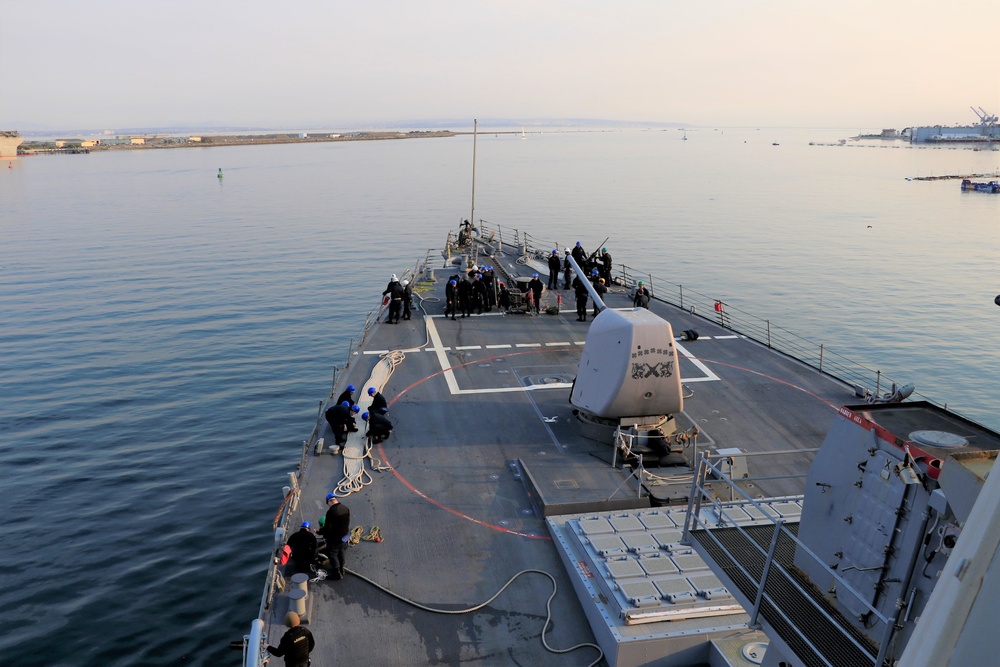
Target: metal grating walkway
833,647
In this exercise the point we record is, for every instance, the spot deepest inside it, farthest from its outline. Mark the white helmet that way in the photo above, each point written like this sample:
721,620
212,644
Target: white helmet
475,268
565,249
405,283
393,278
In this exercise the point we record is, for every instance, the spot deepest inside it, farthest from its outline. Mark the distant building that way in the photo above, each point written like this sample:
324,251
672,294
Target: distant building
90,143
196,140
137,141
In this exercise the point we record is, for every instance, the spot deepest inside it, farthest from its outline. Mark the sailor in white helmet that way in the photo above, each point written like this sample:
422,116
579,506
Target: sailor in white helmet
407,299
567,270
395,293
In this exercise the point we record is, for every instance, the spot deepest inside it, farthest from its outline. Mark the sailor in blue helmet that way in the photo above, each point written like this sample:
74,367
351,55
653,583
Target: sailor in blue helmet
579,254
536,286
379,403
379,426
340,419
451,297
479,293
303,544
555,266
347,395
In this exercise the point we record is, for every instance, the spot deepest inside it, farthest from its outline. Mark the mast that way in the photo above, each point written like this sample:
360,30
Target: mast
472,216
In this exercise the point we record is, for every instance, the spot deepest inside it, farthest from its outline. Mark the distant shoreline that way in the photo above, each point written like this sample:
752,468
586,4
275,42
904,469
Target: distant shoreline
147,142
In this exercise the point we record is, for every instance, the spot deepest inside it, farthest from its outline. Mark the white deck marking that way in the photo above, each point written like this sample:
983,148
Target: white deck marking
709,375
449,375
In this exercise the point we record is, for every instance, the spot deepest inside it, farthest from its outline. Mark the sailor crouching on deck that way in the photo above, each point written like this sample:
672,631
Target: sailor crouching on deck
295,645
379,427
303,545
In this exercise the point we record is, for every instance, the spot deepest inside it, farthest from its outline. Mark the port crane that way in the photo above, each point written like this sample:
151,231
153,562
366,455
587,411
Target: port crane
984,117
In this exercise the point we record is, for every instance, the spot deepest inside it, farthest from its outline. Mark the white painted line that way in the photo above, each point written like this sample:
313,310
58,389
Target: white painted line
375,352
527,345
557,344
498,347
449,375
469,347
725,337
709,375
579,342
435,349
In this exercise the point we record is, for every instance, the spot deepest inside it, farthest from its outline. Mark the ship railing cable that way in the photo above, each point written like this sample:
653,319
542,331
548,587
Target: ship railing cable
762,330
719,311
548,609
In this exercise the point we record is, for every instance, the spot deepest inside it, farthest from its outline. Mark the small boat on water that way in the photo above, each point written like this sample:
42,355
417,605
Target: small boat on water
992,187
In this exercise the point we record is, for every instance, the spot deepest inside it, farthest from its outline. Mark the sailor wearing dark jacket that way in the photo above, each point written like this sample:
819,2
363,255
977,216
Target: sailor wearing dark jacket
395,293
379,404
295,645
336,529
580,291
348,395
555,265
303,545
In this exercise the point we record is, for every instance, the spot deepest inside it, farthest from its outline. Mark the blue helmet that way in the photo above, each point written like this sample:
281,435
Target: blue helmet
355,409
555,252
350,388
364,415
330,496
371,391
345,404
451,282
479,275
594,272
534,275
578,243
305,524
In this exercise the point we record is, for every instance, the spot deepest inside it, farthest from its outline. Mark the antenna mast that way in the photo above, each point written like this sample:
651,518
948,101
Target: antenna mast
472,217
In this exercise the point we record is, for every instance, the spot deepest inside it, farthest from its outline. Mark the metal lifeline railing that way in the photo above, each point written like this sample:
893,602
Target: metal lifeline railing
694,518
719,311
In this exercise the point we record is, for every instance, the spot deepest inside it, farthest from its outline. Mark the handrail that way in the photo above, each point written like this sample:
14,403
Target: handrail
694,518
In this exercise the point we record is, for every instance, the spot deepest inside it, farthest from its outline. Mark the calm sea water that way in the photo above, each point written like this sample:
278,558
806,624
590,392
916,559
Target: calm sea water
165,337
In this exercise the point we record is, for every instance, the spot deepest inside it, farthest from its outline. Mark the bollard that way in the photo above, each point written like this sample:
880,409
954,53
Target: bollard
297,601
300,581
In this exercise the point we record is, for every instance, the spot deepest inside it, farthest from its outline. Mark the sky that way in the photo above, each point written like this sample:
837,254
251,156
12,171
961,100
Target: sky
104,64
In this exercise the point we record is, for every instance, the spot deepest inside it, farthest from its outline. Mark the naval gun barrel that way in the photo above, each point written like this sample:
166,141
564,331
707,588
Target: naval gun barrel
586,281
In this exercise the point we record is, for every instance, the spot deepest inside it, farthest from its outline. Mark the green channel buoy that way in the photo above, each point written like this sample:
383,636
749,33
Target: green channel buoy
220,172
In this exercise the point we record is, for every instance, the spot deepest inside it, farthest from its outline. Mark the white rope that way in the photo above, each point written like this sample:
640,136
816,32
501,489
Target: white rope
358,448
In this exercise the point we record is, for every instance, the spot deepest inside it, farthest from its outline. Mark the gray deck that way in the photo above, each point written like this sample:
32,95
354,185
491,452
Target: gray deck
476,466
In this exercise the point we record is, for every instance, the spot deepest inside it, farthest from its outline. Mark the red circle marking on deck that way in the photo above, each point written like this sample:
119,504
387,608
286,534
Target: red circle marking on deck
423,495
501,529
